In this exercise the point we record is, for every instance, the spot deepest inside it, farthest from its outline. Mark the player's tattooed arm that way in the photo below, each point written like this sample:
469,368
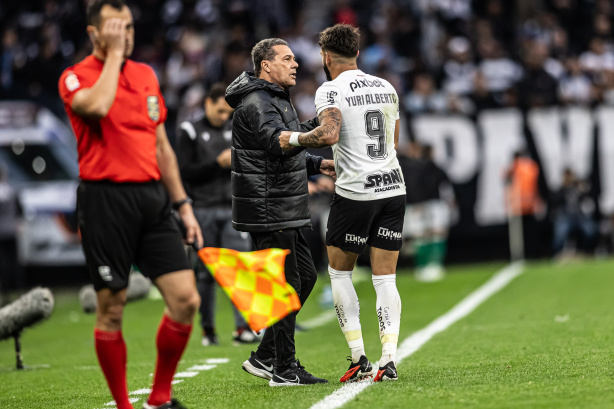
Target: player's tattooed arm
326,134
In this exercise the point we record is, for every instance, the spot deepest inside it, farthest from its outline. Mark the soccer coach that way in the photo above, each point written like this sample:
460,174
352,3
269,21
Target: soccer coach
270,199
117,113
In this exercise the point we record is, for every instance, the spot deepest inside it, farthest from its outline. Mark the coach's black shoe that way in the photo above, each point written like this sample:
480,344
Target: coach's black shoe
387,372
358,371
262,368
173,404
295,375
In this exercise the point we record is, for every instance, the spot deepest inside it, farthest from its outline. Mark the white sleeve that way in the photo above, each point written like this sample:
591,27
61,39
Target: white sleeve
327,96
398,107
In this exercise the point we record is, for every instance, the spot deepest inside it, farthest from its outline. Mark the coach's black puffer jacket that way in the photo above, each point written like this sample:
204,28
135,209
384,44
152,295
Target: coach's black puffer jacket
269,186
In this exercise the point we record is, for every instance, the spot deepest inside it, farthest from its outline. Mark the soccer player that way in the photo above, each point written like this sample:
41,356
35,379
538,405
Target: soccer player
128,171
359,118
203,153
270,199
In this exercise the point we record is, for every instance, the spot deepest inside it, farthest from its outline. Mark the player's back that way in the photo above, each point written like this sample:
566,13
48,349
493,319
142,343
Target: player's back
365,156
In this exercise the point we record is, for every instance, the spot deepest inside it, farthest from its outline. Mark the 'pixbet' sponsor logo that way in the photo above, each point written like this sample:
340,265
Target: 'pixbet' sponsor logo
365,84
385,179
388,234
352,238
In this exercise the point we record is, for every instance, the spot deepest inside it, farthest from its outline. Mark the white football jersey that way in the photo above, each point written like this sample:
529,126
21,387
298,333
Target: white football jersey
365,158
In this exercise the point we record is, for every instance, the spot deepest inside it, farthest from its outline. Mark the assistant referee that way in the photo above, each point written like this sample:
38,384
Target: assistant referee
129,178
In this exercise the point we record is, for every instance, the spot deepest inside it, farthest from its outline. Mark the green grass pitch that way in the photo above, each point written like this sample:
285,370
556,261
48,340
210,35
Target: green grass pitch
545,341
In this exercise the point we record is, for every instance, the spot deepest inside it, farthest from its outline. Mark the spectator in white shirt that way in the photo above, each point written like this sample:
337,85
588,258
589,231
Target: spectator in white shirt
501,72
574,87
597,58
460,69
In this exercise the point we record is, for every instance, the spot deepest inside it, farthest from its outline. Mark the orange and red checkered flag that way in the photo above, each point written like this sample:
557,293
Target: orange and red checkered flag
255,282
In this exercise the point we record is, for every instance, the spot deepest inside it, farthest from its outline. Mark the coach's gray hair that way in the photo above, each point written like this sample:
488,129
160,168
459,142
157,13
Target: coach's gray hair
264,51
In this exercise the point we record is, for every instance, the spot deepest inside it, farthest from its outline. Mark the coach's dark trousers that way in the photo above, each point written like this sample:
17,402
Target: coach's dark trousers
301,275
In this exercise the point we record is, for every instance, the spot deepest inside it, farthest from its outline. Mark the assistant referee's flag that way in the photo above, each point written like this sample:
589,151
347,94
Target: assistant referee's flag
255,282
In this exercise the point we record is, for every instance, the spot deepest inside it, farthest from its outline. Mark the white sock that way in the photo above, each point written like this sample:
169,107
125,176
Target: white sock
348,310
388,307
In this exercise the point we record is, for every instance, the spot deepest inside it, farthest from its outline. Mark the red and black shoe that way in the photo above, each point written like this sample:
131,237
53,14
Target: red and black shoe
358,371
387,372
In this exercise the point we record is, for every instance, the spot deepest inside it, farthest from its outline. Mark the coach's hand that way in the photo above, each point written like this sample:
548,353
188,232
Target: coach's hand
193,233
284,141
327,167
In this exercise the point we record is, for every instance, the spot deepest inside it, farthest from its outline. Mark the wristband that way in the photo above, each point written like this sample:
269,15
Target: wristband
177,205
294,139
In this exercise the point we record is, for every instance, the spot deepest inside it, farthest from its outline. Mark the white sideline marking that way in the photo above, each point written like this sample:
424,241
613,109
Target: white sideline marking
191,372
201,367
186,374
112,403
217,360
319,320
411,344
144,391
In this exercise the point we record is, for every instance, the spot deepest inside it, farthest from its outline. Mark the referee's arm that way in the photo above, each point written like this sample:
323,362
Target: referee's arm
96,101
167,162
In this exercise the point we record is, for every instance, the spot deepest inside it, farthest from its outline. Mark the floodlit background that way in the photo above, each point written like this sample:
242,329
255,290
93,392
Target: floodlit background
513,102
478,81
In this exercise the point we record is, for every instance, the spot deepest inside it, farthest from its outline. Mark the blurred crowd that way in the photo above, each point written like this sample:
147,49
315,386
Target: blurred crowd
442,55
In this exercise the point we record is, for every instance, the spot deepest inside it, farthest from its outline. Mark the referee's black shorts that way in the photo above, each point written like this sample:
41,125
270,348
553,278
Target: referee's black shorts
126,223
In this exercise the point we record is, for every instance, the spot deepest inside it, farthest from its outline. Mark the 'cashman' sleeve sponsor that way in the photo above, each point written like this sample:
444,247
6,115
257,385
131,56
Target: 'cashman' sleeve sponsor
327,96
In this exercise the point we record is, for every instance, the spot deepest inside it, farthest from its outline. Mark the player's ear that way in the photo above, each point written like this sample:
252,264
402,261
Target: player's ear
265,66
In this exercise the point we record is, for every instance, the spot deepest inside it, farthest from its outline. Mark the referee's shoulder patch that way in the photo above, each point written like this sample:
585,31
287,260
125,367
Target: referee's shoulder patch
72,82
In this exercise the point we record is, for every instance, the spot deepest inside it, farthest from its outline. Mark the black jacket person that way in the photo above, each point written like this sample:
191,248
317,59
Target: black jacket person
269,193
269,187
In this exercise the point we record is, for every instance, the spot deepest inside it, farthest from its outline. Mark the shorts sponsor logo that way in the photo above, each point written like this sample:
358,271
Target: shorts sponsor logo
153,108
385,179
105,273
352,238
365,84
388,234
